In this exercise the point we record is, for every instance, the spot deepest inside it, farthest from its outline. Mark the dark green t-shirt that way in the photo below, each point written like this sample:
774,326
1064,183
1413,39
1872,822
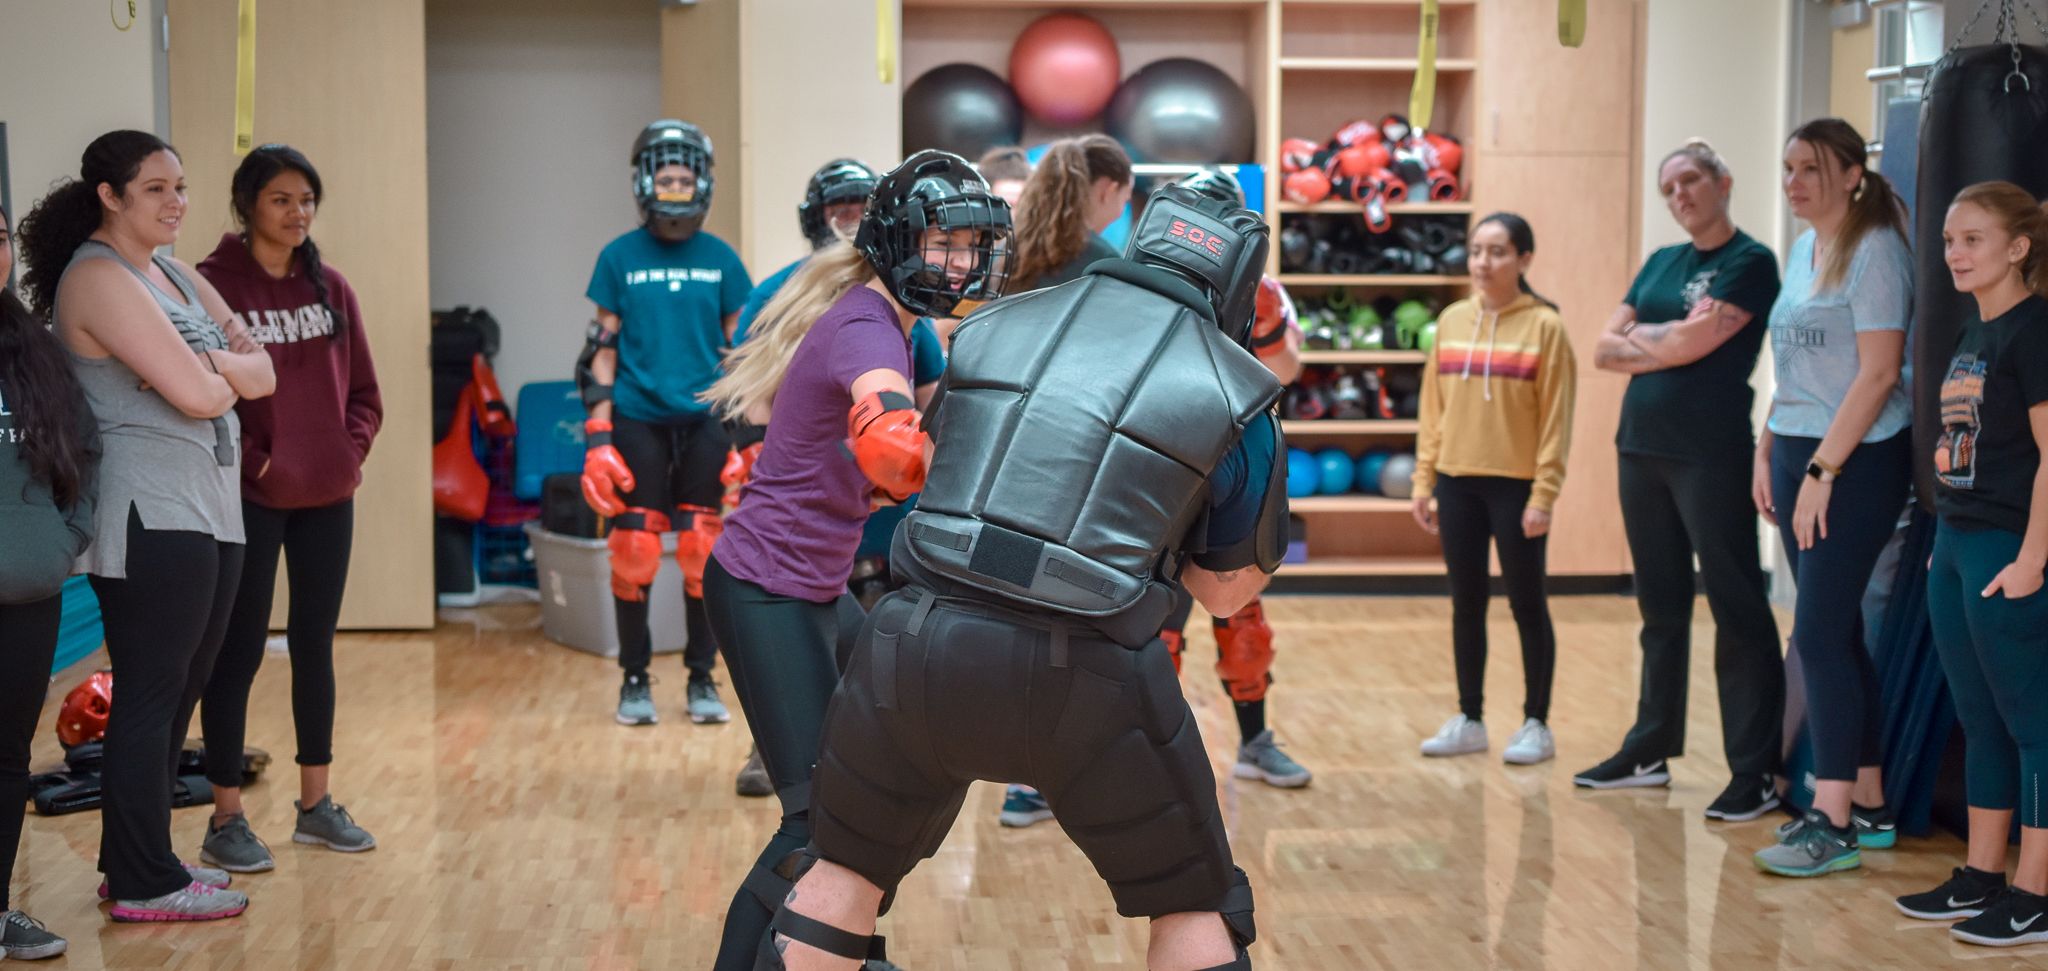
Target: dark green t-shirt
1985,462
1699,411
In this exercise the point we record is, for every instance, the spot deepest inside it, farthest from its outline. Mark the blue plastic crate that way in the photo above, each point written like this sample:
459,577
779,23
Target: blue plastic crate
550,438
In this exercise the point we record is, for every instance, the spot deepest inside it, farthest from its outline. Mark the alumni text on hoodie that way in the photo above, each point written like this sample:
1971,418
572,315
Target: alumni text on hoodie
1497,398
303,446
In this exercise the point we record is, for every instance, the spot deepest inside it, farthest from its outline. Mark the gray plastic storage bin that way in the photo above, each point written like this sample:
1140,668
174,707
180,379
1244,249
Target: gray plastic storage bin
576,594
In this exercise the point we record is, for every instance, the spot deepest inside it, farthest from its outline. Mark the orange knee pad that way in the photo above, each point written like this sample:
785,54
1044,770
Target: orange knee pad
1244,653
635,544
697,531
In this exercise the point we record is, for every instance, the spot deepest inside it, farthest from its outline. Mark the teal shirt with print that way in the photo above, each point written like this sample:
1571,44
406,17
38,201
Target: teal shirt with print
672,300
1699,412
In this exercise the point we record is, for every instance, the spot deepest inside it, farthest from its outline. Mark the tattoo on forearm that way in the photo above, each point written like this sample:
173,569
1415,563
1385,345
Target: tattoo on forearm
1617,353
1728,320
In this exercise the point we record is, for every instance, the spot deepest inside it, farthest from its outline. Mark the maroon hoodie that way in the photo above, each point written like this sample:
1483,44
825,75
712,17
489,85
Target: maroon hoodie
304,445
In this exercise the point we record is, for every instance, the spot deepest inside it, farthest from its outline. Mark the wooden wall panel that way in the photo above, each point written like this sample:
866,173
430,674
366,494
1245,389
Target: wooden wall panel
346,84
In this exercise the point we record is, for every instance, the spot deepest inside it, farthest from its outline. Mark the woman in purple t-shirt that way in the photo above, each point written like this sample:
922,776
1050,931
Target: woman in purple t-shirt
831,353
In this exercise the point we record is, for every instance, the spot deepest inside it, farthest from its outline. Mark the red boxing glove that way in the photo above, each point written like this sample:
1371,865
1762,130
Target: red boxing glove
605,474
738,471
886,442
1274,313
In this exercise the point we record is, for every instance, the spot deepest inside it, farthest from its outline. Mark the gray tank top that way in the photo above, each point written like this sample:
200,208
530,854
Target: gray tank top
176,471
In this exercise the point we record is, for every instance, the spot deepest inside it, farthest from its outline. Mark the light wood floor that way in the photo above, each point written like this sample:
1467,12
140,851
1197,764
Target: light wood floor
519,827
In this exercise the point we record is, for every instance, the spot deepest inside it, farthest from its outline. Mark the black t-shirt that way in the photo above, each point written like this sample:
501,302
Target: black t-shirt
1984,463
1700,411
1097,249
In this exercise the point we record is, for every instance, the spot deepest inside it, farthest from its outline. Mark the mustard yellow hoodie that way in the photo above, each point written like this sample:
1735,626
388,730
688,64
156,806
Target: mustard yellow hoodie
1497,398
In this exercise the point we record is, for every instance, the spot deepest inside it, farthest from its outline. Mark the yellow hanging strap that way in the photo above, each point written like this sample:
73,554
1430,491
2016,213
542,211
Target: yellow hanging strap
245,78
885,40
1571,22
1422,99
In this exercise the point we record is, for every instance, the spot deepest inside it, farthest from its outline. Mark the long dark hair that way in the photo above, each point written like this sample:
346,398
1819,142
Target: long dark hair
262,164
1052,214
1873,204
44,396
63,220
1523,239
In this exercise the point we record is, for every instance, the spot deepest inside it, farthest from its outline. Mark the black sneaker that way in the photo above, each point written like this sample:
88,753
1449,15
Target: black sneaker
1747,797
1876,829
1966,894
1624,771
24,938
2009,919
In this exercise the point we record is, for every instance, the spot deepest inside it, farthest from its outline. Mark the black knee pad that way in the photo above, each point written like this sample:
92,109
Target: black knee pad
773,885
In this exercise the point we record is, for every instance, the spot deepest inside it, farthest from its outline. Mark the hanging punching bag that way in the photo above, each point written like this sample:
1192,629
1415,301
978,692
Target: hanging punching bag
1985,121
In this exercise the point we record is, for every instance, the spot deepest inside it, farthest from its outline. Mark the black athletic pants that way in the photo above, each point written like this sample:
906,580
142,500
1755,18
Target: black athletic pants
164,625
315,543
1672,510
673,463
1844,707
940,694
28,644
781,653
1472,513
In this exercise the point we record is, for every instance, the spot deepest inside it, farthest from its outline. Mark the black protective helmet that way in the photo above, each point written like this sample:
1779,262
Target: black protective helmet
671,142
837,181
1217,184
1220,248
934,190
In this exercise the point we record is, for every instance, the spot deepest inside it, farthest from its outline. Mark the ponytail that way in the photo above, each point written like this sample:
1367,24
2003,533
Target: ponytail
1874,204
1052,214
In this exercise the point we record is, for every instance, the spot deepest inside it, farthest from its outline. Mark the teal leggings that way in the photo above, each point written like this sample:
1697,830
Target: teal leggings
1995,654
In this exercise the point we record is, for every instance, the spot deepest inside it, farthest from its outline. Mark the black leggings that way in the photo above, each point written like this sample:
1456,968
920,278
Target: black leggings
28,644
1470,511
1844,704
164,625
674,464
316,546
781,655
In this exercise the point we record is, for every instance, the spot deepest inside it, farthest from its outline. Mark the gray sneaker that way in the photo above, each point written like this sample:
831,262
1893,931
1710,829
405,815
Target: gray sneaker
329,825
705,708
1262,759
236,848
753,780
196,901
636,702
24,938
1811,849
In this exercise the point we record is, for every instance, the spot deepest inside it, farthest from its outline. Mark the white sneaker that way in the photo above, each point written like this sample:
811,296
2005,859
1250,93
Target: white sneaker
1532,744
1459,736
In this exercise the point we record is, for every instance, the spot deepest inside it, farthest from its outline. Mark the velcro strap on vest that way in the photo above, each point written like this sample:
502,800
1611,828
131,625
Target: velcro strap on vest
928,533
823,936
1061,570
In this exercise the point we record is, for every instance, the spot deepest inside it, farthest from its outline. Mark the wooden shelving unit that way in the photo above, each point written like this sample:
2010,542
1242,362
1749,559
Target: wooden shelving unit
1397,209
1375,65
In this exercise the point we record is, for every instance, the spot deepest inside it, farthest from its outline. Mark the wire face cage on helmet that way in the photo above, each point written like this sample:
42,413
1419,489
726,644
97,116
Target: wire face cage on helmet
1217,184
668,143
934,190
839,181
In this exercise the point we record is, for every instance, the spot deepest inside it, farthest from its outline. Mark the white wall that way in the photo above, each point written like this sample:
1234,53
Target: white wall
532,107
1716,71
71,77
853,114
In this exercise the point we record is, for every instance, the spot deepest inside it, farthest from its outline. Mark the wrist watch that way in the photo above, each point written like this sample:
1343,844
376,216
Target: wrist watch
1820,470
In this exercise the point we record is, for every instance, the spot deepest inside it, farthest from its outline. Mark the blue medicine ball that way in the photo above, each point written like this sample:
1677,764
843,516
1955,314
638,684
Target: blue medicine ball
1369,466
1301,473
1337,471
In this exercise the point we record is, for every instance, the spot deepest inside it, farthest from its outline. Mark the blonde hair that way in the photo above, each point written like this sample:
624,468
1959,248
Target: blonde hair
754,369
2016,209
1698,152
1052,214
1873,205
